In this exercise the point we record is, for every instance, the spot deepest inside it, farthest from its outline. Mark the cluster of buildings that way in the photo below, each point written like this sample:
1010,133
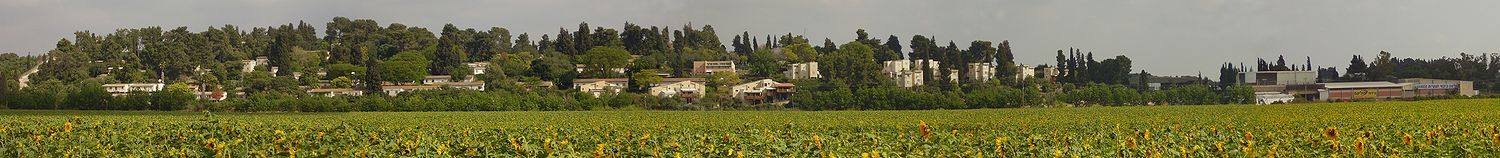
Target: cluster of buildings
1290,86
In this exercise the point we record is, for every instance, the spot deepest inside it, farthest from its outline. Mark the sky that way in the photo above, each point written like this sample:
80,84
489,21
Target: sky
1164,37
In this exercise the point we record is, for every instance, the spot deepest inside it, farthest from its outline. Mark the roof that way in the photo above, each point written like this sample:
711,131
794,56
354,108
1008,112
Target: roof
440,76
408,87
682,79
1340,85
602,79
329,90
461,84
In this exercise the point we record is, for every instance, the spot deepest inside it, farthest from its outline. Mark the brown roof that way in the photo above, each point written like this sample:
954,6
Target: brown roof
591,80
408,87
682,79
330,90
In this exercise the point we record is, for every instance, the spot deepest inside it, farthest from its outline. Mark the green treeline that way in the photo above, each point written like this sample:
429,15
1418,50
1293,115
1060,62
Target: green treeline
363,54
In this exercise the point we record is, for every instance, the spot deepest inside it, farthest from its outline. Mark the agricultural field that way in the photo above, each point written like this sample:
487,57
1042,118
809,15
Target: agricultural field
1458,128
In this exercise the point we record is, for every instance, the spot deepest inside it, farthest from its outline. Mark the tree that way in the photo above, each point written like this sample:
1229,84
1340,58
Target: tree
1357,69
799,53
405,67
642,80
602,61
174,97
350,71
763,63
893,43
90,96
1005,61
342,82
853,64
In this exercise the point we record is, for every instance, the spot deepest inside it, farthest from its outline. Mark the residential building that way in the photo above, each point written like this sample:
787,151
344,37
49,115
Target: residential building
981,72
1438,87
711,67
1049,73
478,67
394,90
476,85
908,73
437,79
763,91
249,65
803,71
333,92
1024,71
688,90
126,88
581,67
601,86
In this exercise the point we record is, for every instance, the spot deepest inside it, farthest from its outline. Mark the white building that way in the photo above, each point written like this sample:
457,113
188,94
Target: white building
1024,71
1263,98
126,88
762,91
335,92
803,71
477,85
908,73
981,72
478,67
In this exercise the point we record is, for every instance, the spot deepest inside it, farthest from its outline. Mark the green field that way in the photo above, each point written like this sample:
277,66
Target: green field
1463,128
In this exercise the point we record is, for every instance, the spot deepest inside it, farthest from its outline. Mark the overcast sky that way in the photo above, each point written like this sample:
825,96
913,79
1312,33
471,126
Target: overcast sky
1165,37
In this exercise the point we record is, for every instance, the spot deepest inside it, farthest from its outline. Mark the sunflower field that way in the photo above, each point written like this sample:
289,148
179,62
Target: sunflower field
1441,128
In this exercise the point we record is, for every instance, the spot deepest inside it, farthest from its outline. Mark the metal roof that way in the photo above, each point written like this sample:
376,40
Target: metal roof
1340,85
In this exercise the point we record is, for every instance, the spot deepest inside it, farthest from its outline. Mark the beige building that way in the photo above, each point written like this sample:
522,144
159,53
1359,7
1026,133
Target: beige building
981,72
803,71
711,67
763,91
687,89
599,87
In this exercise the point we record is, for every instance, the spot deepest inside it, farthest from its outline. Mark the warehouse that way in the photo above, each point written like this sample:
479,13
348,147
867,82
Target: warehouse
1364,91
1436,87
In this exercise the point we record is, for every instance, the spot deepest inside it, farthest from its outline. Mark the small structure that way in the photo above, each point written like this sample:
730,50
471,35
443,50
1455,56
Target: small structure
711,67
1263,98
393,90
763,91
803,71
601,86
334,92
126,88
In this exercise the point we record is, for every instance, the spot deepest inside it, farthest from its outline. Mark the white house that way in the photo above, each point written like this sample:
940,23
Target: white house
478,67
683,89
335,92
981,72
437,79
